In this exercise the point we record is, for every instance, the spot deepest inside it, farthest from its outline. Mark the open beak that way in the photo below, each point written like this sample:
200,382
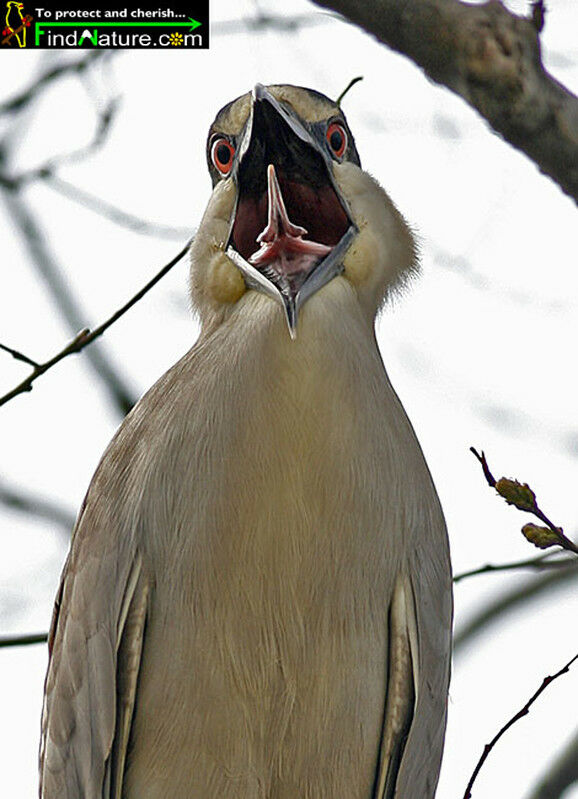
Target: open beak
291,227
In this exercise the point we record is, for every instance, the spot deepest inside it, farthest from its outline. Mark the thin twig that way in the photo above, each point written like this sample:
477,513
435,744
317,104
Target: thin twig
47,170
95,204
491,480
518,597
100,135
85,337
522,497
540,563
23,640
263,22
42,257
560,774
19,356
35,506
538,15
349,86
31,93
37,245
520,714
112,212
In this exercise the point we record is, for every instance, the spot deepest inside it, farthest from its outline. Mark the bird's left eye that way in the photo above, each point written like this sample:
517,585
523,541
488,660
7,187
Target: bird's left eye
222,152
336,138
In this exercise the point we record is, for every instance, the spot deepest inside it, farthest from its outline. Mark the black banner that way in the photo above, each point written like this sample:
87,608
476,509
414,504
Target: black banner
65,25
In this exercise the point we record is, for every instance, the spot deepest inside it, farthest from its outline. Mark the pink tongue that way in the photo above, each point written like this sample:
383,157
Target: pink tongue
281,244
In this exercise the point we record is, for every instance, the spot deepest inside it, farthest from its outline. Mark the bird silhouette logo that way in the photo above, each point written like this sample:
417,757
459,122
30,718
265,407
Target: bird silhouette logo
16,25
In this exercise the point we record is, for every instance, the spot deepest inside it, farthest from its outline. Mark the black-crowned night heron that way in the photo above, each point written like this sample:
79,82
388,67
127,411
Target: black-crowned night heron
257,601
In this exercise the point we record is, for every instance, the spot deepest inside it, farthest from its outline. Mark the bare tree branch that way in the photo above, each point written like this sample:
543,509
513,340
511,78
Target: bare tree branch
29,228
103,127
47,173
521,596
516,717
101,133
492,59
85,337
30,94
263,22
561,774
41,256
30,504
23,640
522,497
112,212
540,563
538,14
18,356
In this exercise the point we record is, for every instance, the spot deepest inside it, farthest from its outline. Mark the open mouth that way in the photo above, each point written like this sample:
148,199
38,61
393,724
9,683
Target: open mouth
289,230
291,227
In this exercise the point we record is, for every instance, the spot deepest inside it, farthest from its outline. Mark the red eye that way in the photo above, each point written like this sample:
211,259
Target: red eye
222,152
337,138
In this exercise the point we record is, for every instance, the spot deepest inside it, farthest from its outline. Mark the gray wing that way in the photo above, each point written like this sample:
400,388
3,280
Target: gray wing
420,618
95,647
99,623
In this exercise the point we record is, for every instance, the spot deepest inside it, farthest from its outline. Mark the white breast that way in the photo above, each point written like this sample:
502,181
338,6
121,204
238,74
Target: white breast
286,485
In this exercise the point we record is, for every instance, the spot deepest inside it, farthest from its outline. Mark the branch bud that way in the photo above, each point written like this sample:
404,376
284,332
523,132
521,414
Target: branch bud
515,493
541,537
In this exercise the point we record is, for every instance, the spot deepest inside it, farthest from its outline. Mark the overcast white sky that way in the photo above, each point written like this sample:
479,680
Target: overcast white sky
482,350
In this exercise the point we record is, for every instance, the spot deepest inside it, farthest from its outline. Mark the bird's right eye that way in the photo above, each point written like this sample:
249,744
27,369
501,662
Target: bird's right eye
222,152
337,139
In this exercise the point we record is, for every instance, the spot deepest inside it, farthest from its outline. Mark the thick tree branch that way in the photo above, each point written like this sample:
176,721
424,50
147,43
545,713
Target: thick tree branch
492,59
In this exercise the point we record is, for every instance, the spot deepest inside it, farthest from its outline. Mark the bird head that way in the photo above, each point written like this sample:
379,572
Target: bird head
292,211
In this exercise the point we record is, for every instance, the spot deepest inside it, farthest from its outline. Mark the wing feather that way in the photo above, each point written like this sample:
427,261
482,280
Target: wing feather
428,592
400,697
130,645
96,642
420,618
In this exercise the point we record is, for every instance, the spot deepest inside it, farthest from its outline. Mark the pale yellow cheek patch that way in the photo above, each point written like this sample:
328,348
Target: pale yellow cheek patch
224,281
361,258
223,200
